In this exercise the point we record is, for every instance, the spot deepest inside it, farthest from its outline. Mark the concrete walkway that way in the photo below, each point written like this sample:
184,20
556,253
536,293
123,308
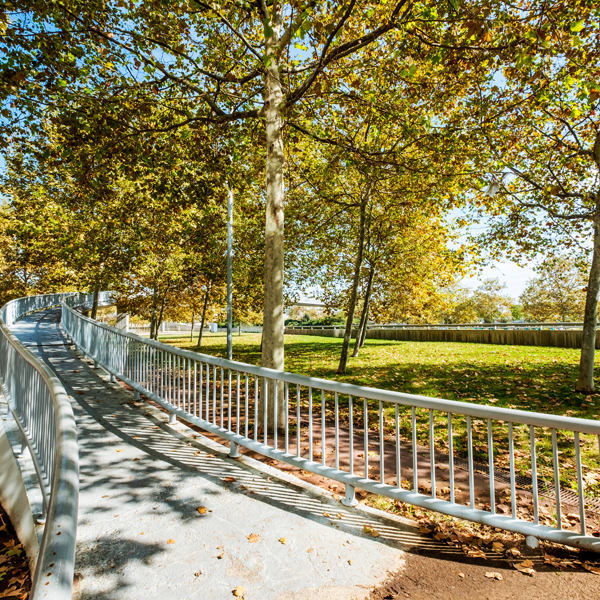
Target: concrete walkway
141,484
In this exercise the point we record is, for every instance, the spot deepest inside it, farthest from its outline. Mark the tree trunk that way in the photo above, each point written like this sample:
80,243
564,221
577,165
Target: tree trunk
585,380
95,300
160,316
192,330
341,370
273,351
362,328
153,317
203,315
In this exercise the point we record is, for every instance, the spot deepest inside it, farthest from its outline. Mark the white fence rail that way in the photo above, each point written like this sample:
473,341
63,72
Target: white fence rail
316,424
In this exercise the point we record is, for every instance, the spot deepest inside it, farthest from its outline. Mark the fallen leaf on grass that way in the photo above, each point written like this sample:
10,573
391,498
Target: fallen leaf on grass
171,541
253,538
494,576
239,591
201,510
283,540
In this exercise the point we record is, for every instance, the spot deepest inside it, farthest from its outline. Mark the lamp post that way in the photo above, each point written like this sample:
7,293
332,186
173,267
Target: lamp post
229,273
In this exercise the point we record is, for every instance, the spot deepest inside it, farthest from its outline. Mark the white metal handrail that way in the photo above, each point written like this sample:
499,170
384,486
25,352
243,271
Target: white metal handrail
41,409
222,396
560,326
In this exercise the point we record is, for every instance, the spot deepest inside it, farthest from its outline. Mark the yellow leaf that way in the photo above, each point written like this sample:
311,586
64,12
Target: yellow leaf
339,516
201,509
119,450
253,538
350,562
374,533
239,591
366,529
325,514
283,540
171,541
498,546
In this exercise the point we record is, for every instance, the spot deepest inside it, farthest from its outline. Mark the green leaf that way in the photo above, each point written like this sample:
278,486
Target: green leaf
577,26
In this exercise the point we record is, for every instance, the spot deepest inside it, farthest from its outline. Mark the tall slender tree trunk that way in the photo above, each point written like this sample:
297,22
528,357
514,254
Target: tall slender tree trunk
160,316
341,370
192,330
585,380
203,315
273,350
153,317
362,328
95,300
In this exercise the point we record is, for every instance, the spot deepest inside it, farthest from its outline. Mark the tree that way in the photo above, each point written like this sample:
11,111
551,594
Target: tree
541,132
557,293
490,302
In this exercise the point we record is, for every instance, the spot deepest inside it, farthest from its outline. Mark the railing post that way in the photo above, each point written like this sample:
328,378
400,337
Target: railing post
136,395
350,499
172,418
234,451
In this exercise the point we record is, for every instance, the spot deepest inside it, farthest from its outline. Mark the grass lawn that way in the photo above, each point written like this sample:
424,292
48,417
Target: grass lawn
537,379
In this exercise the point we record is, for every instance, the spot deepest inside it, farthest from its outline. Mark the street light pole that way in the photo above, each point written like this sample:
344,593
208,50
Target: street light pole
229,273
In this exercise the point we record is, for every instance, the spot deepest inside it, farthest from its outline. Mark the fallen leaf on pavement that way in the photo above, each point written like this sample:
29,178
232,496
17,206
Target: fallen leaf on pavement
492,575
239,591
283,540
119,450
310,550
229,479
221,555
339,516
525,567
171,541
253,538
461,575
326,514
201,510
374,533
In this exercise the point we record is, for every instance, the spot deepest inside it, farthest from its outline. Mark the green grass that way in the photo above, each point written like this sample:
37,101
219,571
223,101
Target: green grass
537,379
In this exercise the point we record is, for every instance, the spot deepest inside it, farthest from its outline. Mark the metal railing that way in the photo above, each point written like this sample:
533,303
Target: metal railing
569,325
42,411
315,424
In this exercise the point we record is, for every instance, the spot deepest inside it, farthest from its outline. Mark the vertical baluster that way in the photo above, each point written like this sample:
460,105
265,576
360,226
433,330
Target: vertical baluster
534,483
229,400
432,453
491,467
266,409
398,469
287,418
237,403
323,437
381,445
582,525
337,433
414,451
310,424
222,395
366,436
511,458
189,408
470,456
195,393
255,408
451,458
298,450
246,418
214,412
275,410
350,435
556,480
182,377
